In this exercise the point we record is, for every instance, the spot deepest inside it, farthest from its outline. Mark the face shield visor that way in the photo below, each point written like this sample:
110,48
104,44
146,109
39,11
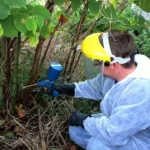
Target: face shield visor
96,57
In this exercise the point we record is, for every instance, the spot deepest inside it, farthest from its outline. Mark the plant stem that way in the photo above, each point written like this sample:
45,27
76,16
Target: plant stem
2,68
72,52
15,73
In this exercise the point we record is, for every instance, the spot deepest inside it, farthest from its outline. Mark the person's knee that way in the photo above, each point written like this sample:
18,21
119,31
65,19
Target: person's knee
95,144
79,136
71,132
75,132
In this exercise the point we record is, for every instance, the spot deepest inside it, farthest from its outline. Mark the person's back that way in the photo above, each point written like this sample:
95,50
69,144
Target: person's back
128,114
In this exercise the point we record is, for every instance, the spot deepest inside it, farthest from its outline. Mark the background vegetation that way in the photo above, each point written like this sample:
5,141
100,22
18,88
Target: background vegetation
35,33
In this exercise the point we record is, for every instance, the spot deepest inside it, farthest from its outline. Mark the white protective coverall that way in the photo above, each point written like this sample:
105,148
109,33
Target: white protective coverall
124,121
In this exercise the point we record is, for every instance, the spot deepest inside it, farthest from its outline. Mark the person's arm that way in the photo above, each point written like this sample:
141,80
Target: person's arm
68,89
130,116
94,88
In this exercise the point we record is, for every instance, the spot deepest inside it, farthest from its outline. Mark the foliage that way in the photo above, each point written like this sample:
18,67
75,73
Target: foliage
23,20
54,29
143,4
27,19
142,42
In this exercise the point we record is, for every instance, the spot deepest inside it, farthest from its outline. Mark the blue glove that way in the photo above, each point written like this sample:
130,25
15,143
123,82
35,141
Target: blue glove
77,118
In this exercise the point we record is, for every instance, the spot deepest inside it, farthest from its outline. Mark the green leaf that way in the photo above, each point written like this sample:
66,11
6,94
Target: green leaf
58,13
1,30
19,22
113,2
41,11
91,0
16,107
33,39
2,122
140,20
75,4
94,7
51,27
143,4
59,2
109,12
31,24
8,27
45,32
9,135
40,21
4,10
22,10
120,27
131,1
16,3
20,107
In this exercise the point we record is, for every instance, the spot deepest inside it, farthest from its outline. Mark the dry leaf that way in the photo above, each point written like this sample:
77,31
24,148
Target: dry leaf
2,122
18,129
73,147
21,113
45,89
62,19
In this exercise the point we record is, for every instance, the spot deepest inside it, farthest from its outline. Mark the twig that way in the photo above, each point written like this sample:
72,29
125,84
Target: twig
22,141
18,124
2,137
56,131
49,43
62,138
12,43
84,34
7,143
43,144
24,87
72,52
51,38
76,63
54,134
23,42
48,126
37,56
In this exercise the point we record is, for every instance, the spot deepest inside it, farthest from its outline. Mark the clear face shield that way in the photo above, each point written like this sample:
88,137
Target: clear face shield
94,67
91,68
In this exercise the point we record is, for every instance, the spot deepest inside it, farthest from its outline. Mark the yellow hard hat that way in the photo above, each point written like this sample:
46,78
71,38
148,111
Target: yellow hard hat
92,48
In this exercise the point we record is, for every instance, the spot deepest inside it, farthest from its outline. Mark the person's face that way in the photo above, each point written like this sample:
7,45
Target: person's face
108,70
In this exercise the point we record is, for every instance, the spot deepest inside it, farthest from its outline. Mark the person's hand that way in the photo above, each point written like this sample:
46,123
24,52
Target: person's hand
68,89
77,118
44,90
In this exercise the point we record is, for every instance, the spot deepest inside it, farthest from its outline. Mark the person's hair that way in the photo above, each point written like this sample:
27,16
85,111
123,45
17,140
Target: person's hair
121,45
